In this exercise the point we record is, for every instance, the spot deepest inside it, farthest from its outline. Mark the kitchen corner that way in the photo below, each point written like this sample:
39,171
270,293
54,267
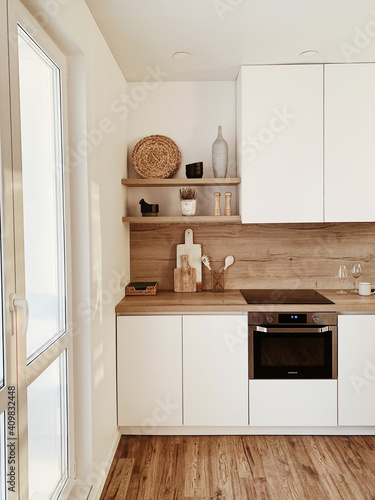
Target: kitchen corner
197,348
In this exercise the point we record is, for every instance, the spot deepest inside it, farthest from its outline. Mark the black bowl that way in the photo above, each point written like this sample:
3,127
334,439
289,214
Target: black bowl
194,170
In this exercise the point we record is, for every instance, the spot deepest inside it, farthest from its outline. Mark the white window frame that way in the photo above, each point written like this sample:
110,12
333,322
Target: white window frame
26,374
6,214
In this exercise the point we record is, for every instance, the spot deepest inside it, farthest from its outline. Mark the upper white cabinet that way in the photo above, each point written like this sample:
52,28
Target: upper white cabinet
299,152
350,142
356,370
149,370
215,370
280,143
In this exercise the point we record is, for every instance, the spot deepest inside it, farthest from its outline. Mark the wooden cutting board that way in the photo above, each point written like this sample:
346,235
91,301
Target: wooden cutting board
194,253
185,277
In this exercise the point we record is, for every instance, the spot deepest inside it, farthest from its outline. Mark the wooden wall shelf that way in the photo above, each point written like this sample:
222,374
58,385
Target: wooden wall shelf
228,219
208,181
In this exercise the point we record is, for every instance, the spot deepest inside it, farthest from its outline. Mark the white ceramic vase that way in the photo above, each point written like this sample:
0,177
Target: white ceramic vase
188,207
220,155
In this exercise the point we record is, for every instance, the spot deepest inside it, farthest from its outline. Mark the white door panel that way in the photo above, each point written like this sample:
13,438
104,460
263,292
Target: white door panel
280,143
356,369
149,370
215,370
349,142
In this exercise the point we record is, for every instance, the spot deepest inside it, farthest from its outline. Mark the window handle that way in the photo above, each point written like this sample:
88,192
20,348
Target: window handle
14,302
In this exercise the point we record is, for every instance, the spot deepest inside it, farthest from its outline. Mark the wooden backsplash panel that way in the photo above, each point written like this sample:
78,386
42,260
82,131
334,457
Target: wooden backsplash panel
266,255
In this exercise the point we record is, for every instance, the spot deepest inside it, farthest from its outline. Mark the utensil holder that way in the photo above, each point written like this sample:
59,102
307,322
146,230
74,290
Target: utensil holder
217,281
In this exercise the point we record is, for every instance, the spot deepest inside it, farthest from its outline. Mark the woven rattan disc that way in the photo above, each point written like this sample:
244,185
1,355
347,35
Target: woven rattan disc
156,157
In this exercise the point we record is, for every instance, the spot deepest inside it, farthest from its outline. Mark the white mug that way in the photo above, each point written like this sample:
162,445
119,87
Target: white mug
365,289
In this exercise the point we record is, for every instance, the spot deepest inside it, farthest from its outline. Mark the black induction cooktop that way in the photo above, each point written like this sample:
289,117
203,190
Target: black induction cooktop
280,296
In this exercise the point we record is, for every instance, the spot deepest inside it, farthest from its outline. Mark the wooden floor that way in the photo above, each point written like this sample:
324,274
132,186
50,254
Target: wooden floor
243,467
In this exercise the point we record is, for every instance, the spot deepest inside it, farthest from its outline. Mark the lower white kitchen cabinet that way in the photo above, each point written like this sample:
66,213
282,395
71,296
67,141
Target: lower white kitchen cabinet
356,370
149,370
215,370
192,370
293,403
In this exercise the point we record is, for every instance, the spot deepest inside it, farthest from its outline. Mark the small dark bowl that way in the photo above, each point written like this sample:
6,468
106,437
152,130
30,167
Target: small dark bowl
194,170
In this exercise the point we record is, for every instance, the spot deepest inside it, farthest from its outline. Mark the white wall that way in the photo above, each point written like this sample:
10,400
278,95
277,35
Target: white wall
98,146
189,113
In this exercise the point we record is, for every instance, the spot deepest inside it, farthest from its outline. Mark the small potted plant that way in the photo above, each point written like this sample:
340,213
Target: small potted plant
188,199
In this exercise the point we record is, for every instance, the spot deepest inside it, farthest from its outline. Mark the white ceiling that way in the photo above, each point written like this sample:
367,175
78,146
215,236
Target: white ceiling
222,35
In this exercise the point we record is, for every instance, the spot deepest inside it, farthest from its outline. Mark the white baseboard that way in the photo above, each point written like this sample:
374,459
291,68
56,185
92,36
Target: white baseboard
247,431
95,490
80,492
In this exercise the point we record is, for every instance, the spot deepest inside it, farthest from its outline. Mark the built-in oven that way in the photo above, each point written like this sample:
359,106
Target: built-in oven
292,345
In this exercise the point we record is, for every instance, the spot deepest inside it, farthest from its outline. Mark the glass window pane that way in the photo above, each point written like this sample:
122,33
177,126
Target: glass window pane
47,416
3,470
42,177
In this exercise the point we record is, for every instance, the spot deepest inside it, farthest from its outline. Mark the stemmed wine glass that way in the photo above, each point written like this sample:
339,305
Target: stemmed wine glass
356,272
342,274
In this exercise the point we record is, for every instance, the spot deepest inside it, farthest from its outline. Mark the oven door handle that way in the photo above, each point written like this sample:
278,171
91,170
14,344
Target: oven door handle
263,329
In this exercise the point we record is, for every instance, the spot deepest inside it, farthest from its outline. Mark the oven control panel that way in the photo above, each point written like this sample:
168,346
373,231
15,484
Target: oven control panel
293,318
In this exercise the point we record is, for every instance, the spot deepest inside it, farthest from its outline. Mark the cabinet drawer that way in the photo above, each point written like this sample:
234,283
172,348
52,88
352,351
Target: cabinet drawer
297,403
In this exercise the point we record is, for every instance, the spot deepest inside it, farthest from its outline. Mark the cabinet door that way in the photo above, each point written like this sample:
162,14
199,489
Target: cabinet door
349,142
356,370
215,370
293,403
149,370
280,143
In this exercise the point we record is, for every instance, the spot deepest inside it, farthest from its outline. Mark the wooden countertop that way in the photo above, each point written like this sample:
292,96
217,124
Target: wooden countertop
233,301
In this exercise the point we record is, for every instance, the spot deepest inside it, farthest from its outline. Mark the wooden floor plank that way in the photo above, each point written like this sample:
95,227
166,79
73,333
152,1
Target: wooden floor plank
351,478
225,477
118,478
196,471
242,467
290,483
238,490
142,466
329,468
220,474
168,484
256,489
275,468
303,469
242,454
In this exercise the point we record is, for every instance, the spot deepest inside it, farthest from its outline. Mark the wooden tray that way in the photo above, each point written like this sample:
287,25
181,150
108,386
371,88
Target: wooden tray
141,288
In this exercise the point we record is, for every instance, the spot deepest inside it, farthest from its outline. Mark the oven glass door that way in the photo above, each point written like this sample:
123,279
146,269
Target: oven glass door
292,355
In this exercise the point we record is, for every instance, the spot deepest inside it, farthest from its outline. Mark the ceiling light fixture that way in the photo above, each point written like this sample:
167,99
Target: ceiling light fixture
309,54
181,55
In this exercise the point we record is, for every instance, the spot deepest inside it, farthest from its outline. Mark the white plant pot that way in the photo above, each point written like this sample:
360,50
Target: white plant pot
188,207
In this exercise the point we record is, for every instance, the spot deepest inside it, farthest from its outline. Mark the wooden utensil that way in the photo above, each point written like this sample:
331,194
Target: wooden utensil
229,260
185,277
194,253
